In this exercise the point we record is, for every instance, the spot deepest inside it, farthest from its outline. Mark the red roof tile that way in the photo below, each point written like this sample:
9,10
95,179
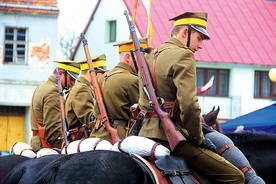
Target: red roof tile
30,6
241,32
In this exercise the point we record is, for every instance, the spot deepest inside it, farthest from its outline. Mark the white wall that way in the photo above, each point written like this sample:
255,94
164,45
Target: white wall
107,10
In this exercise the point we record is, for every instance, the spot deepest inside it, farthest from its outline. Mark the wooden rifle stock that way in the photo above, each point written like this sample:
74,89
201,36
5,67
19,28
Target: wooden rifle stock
174,136
61,102
98,95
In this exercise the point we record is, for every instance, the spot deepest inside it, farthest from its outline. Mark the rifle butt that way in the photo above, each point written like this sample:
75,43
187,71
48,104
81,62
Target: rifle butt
173,135
114,135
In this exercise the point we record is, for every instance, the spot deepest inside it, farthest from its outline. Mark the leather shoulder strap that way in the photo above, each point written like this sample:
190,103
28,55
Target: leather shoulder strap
107,75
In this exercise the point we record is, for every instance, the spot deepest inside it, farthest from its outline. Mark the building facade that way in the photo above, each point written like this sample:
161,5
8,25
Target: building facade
28,46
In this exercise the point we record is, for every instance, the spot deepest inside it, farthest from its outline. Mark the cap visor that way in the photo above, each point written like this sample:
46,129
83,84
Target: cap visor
74,75
202,30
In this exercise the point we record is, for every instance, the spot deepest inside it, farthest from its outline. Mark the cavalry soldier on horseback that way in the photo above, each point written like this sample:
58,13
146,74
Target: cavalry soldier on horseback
120,91
45,114
173,73
79,105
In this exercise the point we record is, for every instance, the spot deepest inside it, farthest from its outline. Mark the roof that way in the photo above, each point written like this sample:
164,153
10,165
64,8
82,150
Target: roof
30,6
242,32
260,120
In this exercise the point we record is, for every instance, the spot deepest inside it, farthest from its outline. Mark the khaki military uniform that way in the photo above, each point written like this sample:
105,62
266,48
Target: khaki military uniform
46,108
79,104
120,92
175,73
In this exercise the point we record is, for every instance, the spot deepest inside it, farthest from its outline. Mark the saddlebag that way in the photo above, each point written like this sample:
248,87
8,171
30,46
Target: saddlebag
175,168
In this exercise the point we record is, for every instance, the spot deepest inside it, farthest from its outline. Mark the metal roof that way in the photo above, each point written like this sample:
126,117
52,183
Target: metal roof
242,32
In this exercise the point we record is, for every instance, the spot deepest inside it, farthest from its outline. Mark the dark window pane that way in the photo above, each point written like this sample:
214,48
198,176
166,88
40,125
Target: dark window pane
21,34
257,84
112,31
8,52
200,77
266,86
9,34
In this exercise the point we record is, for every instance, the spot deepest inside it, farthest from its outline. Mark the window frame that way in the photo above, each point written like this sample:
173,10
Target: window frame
18,50
111,31
259,85
207,73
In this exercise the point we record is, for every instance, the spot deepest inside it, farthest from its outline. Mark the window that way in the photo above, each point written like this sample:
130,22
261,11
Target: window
15,45
263,86
111,31
221,81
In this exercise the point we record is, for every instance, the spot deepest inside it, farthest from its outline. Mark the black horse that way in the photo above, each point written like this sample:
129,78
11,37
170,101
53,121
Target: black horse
97,167
260,150
8,162
25,171
258,147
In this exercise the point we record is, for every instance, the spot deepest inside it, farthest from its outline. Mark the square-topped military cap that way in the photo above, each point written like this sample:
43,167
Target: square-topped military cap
98,61
127,45
197,20
71,67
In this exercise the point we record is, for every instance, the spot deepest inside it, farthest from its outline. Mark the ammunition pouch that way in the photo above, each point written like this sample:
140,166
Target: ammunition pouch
173,109
78,134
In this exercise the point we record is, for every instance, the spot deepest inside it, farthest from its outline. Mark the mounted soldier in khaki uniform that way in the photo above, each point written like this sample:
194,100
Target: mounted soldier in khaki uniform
79,106
120,91
173,71
46,121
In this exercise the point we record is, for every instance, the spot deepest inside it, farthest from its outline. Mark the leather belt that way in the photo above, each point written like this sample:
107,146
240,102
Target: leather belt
35,132
119,122
151,114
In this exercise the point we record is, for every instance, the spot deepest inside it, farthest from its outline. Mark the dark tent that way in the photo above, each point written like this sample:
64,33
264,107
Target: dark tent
260,120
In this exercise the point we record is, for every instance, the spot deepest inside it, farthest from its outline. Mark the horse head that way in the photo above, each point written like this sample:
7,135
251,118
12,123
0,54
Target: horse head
211,117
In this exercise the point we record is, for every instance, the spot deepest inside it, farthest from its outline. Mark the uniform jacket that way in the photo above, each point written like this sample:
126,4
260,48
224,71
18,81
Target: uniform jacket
175,73
120,92
46,107
79,104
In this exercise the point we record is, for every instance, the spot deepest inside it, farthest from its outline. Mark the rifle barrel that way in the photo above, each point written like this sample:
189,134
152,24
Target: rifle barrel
173,135
98,95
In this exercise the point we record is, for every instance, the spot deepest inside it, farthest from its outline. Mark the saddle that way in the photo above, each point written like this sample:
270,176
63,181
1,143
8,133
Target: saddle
169,169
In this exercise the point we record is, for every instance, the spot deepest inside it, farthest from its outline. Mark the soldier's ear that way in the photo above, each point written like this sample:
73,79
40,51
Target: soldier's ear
185,32
60,72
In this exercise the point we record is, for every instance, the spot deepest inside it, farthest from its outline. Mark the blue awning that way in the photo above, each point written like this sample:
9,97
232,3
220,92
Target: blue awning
260,120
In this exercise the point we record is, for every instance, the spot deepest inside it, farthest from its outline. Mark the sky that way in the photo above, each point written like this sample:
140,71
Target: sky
74,14
73,17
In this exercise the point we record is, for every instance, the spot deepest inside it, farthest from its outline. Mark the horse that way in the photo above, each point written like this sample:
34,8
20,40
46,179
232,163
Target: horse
104,166
260,150
8,162
97,166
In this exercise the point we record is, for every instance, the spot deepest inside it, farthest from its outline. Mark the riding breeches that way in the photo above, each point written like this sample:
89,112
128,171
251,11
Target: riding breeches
209,163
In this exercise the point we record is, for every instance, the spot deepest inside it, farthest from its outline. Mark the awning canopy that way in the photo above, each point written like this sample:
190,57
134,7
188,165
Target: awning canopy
260,120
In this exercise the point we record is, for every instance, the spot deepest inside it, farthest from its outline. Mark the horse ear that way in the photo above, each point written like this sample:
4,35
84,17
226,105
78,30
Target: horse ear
217,111
213,109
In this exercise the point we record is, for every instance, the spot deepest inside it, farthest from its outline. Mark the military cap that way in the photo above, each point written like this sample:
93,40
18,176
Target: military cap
197,20
98,61
127,45
71,67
